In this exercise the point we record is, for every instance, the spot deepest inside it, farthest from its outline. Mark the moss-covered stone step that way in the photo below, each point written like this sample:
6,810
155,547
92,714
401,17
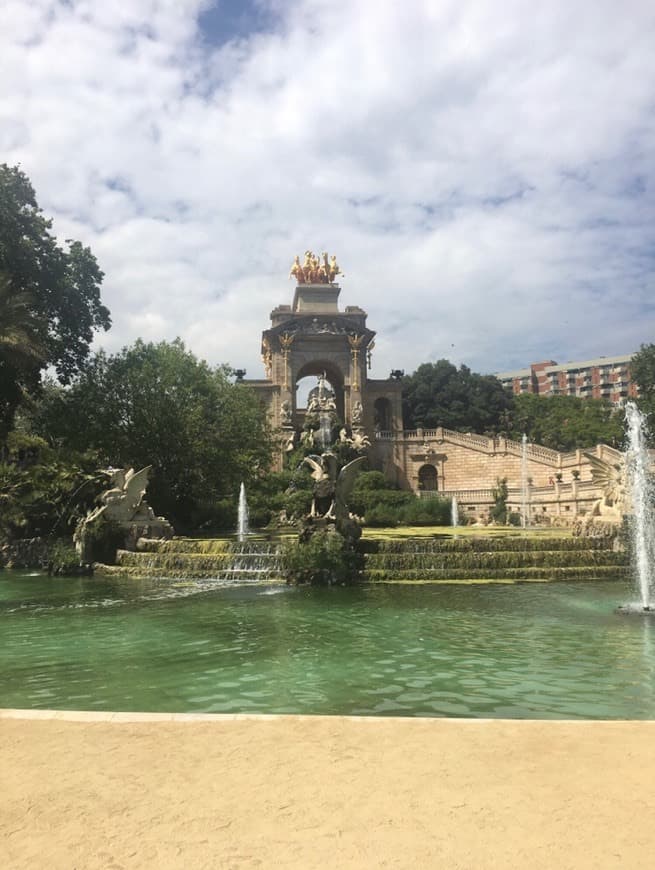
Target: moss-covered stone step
206,545
484,544
196,561
496,559
189,573
596,572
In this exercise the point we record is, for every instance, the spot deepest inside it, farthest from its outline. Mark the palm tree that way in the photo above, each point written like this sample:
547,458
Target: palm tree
21,344
22,350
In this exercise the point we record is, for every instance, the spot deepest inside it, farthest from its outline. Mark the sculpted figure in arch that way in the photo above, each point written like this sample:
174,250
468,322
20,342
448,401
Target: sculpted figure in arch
285,413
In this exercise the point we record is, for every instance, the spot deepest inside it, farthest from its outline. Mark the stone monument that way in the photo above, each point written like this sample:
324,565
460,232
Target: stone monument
123,504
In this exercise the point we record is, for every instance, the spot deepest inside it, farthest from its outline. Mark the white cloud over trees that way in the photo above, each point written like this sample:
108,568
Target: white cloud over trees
484,172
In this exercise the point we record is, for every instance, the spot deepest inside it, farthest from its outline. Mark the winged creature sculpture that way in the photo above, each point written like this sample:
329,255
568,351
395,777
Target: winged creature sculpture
122,501
332,490
611,477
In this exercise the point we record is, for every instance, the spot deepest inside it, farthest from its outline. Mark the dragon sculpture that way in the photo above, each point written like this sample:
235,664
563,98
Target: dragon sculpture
331,489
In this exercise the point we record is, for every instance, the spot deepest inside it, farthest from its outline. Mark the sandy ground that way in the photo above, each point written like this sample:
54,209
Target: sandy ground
307,792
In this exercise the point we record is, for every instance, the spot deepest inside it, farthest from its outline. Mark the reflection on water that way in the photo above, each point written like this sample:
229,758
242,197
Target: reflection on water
529,651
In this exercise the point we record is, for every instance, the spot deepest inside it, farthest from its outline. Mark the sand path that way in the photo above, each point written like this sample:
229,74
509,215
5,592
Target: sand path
305,792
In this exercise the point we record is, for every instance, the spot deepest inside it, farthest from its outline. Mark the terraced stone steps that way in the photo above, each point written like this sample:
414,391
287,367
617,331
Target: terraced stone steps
439,559
493,558
199,559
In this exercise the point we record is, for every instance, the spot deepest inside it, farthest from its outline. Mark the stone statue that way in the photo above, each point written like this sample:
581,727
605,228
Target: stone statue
290,443
332,490
124,500
612,478
359,441
286,413
357,413
123,504
267,357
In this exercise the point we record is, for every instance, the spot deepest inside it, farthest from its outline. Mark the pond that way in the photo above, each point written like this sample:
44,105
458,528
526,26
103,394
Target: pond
538,651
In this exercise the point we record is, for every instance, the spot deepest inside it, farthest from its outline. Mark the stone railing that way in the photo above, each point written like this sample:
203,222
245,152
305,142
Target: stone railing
582,490
478,442
462,495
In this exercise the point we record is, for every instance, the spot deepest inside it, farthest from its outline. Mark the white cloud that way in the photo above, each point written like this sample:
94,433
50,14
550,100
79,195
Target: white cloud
484,173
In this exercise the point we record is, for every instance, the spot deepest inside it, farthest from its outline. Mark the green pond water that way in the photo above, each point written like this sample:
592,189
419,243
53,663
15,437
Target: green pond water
520,651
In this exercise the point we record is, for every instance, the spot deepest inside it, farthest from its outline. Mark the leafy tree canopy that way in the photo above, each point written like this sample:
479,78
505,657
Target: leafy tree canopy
51,295
440,394
157,404
642,370
567,422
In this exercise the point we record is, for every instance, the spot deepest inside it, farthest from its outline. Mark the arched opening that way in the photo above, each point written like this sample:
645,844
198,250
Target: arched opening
307,381
427,478
383,416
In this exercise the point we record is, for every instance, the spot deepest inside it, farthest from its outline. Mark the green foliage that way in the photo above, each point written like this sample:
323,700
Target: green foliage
44,491
326,558
54,294
101,540
267,496
498,512
297,503
567,422
642,370
156,404
439,394
381,503
426,512
371,480
378,506
63,558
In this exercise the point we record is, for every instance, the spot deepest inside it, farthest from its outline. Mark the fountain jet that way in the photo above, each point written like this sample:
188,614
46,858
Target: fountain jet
454,512
525,485
242,516
643,506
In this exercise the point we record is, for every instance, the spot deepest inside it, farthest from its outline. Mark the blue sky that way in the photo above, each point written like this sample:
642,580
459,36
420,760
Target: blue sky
483,173
224,21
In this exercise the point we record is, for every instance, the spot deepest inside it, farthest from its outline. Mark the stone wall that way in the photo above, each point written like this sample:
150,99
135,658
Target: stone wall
468,467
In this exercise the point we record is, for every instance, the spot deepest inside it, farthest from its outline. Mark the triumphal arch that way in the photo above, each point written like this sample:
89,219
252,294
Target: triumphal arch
313,337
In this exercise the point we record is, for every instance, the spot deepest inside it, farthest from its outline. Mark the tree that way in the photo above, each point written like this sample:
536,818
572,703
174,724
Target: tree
642,371
56,290
439,394
21,349
156,404
567,422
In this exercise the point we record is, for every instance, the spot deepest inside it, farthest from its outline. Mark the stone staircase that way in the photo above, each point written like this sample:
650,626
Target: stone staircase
251,561
501,559
447,559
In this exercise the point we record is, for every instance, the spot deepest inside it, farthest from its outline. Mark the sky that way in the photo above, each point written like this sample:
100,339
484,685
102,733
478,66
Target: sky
483,171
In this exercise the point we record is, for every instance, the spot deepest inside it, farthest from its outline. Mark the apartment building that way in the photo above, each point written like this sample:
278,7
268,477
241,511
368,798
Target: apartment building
607,377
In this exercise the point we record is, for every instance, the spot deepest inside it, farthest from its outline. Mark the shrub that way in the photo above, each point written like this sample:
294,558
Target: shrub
324,559
101,539
298,503
63,558
426,512
498,512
